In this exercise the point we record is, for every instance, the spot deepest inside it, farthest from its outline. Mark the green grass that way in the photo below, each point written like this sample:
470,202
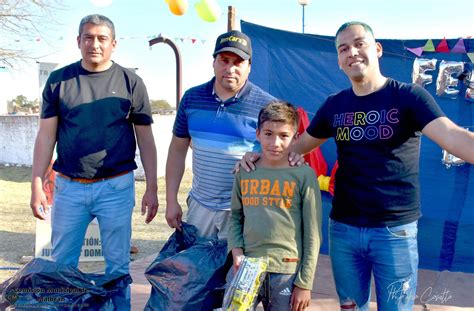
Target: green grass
17,224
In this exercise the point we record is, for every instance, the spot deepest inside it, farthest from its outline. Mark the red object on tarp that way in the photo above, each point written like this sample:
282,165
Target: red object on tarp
48,183
333,178
315,158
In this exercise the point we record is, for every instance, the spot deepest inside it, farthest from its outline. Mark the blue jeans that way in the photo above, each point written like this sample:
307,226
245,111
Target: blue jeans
76,204
389,253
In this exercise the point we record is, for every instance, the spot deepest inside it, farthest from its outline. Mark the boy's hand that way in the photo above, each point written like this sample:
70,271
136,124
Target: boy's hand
300,299
237,254
247,162
295,159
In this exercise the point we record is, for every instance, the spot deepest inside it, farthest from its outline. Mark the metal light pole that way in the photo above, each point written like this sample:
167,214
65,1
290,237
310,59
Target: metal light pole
161,39
303,3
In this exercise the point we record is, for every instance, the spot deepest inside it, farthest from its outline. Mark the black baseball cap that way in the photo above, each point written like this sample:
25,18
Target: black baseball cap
236,42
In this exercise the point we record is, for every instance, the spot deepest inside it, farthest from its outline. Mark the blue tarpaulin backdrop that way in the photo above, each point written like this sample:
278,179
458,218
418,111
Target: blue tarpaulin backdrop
303,70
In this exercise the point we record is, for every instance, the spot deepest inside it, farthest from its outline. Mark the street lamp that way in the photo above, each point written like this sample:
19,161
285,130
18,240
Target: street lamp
303,4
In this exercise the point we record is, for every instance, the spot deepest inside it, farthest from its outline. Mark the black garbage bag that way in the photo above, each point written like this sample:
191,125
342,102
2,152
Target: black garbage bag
188,273
45,285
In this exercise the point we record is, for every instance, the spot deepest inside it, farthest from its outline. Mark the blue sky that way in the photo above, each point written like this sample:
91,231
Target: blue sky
138,21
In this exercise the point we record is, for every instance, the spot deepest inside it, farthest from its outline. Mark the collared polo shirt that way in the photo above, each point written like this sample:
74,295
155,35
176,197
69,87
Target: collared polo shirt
221,133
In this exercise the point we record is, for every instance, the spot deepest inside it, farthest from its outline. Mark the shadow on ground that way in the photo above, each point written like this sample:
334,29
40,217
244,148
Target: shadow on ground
15,174
14,245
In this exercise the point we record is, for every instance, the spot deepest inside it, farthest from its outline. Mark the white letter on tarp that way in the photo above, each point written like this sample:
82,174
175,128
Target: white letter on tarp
446,82
420,67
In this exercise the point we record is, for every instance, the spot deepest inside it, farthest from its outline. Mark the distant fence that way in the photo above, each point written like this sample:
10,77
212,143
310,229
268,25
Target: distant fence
18,134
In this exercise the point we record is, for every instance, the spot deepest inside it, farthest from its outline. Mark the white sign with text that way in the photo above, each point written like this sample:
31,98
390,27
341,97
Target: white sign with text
91,247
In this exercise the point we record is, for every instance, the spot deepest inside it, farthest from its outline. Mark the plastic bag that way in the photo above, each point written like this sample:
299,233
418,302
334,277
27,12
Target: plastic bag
46,285
188,273
242,291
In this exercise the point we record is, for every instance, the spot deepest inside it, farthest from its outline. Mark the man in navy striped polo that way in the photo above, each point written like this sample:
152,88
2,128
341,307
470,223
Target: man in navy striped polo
220,118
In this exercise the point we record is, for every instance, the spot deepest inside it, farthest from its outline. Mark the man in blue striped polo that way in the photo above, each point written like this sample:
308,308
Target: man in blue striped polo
220,117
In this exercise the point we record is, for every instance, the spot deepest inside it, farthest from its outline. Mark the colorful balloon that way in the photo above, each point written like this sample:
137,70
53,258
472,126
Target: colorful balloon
178,7
208,10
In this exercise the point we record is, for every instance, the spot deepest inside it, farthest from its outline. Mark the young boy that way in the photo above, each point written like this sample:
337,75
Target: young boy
276,212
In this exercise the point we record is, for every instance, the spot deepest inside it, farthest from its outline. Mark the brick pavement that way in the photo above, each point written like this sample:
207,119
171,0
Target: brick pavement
443,291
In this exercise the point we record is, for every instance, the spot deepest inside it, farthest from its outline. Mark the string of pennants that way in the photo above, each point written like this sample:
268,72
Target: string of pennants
442,47
176,39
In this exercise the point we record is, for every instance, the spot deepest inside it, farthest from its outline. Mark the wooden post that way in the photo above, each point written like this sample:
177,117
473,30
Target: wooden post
230,18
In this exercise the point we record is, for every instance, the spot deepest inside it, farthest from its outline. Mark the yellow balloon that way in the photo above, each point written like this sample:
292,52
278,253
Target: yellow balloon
178,7
208,10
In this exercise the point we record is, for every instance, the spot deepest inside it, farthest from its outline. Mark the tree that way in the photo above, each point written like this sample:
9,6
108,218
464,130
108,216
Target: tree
22,20
22,104
160,106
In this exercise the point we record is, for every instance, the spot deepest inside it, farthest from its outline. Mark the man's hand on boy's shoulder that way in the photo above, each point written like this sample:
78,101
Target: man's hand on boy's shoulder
296,159
248,161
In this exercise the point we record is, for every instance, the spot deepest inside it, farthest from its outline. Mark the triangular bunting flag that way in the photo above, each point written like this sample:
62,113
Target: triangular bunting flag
193,40
429,47
459,47
416,51
443,46
471,57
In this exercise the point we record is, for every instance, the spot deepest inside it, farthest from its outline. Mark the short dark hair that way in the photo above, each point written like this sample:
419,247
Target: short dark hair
97,19
344,26
279,111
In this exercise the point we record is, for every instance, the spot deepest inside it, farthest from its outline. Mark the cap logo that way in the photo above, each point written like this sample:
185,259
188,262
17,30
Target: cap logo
233,39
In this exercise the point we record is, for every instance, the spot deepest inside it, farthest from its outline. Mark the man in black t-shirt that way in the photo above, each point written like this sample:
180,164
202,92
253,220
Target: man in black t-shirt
377,125
92,110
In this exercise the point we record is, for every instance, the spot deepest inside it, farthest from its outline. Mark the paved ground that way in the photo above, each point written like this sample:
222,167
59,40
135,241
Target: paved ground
436,290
